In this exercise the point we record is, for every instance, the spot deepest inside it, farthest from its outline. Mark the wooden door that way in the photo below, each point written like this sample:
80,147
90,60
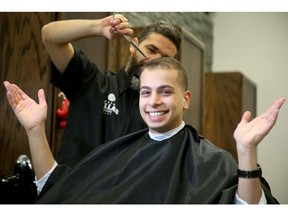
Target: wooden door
23,61
227,96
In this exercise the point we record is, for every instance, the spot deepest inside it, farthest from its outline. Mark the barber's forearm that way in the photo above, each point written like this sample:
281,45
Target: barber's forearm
62,32
57,37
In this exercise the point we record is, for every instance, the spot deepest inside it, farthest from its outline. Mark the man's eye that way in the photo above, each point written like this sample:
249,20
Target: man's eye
166,92
151,50
145,93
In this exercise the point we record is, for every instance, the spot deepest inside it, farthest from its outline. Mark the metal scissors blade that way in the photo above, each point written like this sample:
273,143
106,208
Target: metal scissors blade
128,38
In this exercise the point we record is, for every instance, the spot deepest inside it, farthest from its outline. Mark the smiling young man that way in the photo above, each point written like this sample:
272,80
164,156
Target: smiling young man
167,163
162,100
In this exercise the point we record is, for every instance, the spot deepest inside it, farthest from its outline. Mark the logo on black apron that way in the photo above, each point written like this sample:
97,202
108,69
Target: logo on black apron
109,105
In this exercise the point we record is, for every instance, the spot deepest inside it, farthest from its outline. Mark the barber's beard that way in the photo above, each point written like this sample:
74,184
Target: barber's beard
132,70
135,83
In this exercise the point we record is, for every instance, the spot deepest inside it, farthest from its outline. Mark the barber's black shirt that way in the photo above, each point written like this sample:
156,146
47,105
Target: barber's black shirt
102,107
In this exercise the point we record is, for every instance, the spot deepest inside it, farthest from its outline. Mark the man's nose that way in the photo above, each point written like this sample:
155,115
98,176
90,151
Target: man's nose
155,99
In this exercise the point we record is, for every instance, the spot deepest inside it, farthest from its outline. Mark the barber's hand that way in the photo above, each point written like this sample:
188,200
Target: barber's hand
115,26
248,134
28,112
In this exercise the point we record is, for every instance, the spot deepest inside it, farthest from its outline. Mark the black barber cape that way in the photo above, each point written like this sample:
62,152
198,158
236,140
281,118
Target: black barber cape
185,168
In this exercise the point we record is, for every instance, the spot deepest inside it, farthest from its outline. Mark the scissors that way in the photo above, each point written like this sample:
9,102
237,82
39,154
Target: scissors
127,37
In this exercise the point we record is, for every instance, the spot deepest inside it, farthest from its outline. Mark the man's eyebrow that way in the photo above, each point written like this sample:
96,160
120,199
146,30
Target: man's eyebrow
145,87
166,86
159,87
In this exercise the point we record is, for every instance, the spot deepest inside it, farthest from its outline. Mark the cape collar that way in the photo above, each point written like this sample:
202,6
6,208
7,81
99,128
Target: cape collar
166,135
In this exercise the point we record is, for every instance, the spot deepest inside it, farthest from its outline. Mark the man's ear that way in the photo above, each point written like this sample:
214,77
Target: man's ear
132,48
187,98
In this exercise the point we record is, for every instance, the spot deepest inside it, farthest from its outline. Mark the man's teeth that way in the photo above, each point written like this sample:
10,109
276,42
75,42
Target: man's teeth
156,113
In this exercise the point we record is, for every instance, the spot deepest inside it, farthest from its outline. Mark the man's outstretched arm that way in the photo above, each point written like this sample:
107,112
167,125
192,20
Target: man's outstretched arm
32,116
248,135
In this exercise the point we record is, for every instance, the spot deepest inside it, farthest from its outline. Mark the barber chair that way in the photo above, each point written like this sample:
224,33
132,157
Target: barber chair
19,188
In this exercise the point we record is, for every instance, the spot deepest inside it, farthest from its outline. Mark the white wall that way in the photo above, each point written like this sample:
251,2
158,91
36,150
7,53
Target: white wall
257,45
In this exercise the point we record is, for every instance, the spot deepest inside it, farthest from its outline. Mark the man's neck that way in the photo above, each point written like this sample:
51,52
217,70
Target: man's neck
166,135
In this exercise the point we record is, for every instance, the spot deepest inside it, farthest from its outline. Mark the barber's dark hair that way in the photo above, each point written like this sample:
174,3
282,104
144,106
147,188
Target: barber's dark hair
168,63
164,28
